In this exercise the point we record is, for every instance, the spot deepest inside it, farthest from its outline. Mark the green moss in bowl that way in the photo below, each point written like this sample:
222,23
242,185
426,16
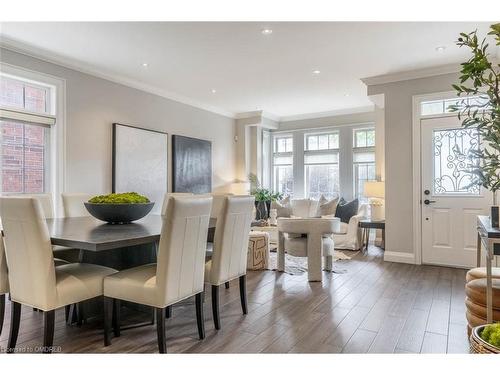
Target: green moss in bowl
491,334
119,198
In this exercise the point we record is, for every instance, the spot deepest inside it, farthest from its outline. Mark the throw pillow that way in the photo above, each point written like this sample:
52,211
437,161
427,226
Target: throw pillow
301,208
283,208
346,210
327,207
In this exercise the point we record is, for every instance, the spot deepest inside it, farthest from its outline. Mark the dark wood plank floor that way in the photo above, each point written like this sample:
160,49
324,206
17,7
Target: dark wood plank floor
374,307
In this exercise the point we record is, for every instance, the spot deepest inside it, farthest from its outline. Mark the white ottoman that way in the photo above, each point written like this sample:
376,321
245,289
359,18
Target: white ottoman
258,251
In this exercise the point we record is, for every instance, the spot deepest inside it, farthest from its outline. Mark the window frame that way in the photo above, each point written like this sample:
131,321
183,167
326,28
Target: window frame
57,109
356,164
275,154
329,151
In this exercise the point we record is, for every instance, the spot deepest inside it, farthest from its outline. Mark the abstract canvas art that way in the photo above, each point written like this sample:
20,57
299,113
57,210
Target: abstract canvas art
192,165
140,162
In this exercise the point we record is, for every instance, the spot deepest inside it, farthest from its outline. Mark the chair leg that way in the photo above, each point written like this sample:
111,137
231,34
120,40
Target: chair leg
2,311
243,293
15,319
67,309
116,317
160,329
200,320
168,312
215,306
48,330
227,284
108,317
329,263
80,312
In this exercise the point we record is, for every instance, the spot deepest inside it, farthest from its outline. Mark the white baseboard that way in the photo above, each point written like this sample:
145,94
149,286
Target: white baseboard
395,256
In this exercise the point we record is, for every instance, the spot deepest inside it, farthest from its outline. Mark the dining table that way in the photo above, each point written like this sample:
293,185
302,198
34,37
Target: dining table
119,246
90,234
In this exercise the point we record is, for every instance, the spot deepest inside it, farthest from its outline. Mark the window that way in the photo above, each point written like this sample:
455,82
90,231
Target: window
454,150
363,159
321,165
283,164
25,136
437,107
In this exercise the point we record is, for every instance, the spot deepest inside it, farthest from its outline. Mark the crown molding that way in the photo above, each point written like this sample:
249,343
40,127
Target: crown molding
264,114
337,112
44,55
411,74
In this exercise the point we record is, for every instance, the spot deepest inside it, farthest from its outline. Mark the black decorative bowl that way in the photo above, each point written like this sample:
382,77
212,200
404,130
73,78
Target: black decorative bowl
122,213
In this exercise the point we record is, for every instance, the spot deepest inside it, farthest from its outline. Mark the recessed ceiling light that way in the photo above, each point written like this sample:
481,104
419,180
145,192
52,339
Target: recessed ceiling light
440,48
145,65
267,31
213,91
347,95
316,72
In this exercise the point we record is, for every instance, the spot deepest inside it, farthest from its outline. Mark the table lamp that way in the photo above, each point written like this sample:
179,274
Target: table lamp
375,191
240,188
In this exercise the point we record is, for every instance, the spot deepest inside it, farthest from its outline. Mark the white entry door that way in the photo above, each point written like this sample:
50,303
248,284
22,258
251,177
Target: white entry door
449,204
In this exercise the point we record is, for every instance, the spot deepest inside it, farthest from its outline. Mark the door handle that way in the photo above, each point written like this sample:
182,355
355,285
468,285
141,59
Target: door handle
428,201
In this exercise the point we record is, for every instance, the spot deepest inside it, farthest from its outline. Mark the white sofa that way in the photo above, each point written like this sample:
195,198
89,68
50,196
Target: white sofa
348,236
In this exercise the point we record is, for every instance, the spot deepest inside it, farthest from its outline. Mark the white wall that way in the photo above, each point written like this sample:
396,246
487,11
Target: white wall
398,156
93,104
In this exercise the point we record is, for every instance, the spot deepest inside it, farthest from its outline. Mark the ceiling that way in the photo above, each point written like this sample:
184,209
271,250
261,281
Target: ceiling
233,67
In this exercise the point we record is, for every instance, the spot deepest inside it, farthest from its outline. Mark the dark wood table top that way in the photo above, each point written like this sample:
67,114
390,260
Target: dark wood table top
373,224
88,233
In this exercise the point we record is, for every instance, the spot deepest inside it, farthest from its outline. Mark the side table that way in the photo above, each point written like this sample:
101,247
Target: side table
366,225
273,234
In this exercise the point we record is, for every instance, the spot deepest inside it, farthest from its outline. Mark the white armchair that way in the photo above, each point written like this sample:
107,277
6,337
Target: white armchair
309,238
348,237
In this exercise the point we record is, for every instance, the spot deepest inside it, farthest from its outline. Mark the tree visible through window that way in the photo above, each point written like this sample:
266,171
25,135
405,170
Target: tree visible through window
363,159
321,165
283,164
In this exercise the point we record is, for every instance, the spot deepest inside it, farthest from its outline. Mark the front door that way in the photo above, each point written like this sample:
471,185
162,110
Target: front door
450,204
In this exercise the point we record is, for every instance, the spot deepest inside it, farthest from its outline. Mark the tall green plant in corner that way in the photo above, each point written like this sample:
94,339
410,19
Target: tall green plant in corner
480,76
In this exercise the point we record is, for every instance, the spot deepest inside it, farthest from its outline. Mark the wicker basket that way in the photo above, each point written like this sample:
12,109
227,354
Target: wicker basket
478,345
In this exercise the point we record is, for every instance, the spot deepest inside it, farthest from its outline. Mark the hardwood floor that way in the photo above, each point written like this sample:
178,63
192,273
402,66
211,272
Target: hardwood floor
374,307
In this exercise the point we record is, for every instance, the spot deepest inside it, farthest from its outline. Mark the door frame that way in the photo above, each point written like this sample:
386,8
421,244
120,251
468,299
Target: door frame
417,163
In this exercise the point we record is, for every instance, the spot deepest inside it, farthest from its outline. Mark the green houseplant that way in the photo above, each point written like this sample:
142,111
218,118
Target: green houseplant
480,77
263,197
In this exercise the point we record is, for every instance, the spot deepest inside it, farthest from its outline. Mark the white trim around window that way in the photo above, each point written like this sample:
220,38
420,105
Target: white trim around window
57,116
344,152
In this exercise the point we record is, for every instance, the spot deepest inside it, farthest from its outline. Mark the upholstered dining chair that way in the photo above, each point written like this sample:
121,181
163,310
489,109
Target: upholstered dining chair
229,258
4,282
73,204
311,238
178,273
170,195
34,280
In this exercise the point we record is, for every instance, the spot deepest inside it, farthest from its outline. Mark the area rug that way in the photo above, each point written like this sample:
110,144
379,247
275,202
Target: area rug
298,265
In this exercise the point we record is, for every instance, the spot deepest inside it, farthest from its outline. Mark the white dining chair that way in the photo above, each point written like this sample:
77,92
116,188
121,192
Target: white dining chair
4,282
178,273
169,195
73,204
34,280
229,258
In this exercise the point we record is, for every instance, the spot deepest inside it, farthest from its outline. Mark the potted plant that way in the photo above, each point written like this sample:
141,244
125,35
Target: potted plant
480,77
486,339
119,208
263,198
